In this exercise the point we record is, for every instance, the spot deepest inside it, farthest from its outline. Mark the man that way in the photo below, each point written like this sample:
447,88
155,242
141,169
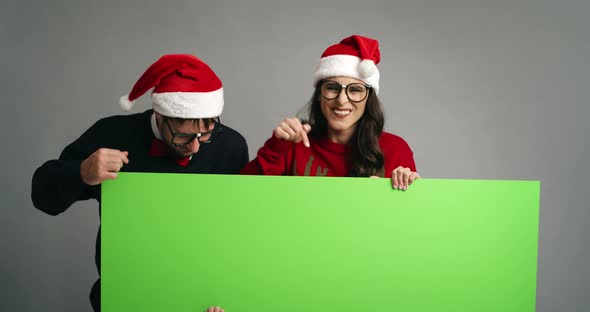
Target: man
182,134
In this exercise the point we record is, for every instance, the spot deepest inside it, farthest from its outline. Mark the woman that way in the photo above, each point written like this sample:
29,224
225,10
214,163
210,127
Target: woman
343,134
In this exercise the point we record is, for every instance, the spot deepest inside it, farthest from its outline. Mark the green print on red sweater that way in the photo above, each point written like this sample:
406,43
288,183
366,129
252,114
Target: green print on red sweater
319,170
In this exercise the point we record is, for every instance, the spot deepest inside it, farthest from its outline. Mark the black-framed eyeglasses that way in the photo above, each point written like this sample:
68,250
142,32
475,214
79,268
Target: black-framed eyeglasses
183,139
356,92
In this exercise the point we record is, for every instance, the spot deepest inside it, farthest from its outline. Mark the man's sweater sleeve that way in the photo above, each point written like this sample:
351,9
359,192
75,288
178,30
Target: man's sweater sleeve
57,184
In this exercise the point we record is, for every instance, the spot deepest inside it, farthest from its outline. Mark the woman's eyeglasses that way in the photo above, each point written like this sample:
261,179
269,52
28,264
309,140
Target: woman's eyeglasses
356,92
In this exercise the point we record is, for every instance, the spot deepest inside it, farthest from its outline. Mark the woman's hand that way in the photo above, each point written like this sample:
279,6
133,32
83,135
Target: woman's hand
291,129
402,177
215,309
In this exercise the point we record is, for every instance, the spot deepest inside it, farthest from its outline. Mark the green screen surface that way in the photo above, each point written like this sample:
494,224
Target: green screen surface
181,242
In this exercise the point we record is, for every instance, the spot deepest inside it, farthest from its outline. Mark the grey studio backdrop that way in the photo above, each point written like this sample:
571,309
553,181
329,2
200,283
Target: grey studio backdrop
480,90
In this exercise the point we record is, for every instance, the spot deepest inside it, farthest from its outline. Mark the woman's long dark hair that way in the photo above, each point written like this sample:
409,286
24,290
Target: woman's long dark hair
365,156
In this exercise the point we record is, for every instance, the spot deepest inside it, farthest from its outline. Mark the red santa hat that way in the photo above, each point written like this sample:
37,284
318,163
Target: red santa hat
355,56
184,87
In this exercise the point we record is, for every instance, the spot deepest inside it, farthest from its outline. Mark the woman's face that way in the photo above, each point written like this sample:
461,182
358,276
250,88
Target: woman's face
341,111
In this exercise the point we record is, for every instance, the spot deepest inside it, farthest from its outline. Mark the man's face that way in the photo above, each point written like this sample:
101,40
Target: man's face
184,136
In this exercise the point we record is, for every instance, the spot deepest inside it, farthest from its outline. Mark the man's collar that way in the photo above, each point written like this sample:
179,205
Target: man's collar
155,129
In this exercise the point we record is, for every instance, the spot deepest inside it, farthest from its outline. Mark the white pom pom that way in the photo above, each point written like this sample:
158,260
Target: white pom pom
126,105
367,68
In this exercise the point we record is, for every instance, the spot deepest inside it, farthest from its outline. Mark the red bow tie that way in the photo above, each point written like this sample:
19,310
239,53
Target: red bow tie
159,148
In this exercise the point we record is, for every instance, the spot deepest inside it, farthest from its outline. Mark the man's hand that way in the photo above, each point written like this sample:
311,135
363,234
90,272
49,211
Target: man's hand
104,164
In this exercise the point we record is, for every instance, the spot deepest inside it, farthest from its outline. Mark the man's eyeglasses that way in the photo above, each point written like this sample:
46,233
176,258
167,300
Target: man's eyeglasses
183,139
356,92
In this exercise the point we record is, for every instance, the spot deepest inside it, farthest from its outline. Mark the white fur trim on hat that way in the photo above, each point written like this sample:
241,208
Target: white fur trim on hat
367,68
189,105
350,66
